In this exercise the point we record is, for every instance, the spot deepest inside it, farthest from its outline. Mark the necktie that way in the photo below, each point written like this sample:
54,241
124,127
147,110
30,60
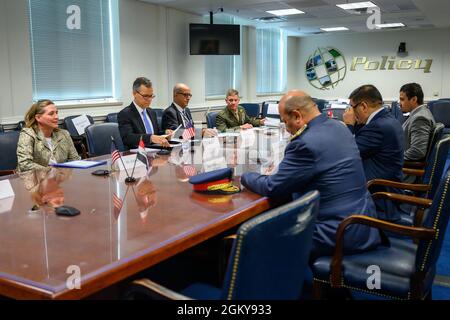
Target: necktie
148,126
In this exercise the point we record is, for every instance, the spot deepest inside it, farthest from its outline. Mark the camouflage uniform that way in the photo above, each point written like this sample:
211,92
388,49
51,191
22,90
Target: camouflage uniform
226,119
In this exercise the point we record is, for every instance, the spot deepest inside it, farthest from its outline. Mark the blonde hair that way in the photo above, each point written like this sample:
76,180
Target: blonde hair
36,108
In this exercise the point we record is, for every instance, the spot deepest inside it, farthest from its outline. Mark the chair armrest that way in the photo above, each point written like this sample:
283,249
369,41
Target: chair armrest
421,202
414,164
159,292
413,172
336,261
399,185
7,172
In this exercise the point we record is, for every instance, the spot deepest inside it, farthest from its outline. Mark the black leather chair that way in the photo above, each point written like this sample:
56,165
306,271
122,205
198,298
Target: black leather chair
407,269
265,108
252,109
268,259
430,178
111,117
321,103
211,118
99,138
159,114
78,140
8,147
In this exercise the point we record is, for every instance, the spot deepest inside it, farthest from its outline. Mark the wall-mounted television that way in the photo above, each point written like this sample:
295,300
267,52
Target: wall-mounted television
215,39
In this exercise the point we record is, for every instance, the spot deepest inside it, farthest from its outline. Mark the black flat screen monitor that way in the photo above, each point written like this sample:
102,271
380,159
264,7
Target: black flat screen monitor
214,39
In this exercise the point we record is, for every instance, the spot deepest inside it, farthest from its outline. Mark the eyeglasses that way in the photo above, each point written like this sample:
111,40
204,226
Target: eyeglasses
146,96
186,95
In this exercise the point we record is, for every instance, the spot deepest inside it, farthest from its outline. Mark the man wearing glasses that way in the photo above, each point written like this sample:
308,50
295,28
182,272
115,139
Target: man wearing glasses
138,120
378,134
178,112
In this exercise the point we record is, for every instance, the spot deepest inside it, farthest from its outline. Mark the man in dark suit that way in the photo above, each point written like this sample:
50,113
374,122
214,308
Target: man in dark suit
178,112
379,136
138,120
323,156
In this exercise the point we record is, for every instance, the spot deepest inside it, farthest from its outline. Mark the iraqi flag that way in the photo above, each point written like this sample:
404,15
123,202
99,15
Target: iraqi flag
141,154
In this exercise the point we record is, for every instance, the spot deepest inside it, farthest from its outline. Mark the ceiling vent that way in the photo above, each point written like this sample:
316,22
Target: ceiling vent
270,19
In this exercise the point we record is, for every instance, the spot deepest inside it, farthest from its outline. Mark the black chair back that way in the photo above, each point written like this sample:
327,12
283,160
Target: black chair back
441,113
252,109
321,103
99,138
265,109
159,114
111,117
8,147
70,126
211,119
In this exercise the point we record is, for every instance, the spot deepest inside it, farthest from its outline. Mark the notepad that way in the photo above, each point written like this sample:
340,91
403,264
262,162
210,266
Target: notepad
80,164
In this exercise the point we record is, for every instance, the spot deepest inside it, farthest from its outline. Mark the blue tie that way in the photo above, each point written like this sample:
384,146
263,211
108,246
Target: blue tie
148,126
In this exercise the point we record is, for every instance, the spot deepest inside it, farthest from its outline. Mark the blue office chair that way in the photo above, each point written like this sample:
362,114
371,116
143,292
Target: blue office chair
429,182
268,259
99,138
8,147
441,113
20,125
396,111
407,269
1,129
321,103
252,109
159,114
211,118
265,108
111,117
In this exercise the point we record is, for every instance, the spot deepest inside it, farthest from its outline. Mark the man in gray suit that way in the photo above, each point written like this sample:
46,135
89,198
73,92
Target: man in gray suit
419,125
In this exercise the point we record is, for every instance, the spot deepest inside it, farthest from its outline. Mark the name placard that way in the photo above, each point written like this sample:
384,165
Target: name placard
128,163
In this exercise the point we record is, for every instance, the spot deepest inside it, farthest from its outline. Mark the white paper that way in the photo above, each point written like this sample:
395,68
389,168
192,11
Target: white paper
6,190
272,108
272,122
6,204
129,163
78,164
81,123
138,173
147,150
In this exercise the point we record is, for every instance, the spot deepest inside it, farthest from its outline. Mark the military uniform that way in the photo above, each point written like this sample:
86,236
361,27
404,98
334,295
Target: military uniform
226,119
33,151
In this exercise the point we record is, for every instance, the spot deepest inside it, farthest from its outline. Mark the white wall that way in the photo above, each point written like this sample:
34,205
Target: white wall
154,43
422,44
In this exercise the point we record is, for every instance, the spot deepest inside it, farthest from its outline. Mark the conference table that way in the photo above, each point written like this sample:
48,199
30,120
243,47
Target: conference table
123,229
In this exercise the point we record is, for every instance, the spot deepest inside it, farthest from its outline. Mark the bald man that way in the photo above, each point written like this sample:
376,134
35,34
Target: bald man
178,112
322,155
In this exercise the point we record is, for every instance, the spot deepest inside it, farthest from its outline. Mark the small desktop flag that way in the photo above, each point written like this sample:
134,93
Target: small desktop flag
118,204
115,155
189,171
189,131
141,154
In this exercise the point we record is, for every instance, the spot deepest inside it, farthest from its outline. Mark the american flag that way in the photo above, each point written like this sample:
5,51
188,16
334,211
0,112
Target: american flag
189,131
330,114
114,153
141,154
118,204
190,171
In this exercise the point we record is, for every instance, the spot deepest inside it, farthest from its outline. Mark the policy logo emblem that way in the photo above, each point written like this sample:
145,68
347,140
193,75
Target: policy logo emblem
325,68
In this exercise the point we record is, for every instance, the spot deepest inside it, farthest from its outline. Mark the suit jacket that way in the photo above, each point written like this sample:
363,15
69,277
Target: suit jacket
380,145
33,151
132,127
324,158
417,132
227,119
172,118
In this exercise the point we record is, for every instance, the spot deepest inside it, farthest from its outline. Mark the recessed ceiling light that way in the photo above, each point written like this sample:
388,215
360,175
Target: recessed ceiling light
356,5
334,29
390,25
285,12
